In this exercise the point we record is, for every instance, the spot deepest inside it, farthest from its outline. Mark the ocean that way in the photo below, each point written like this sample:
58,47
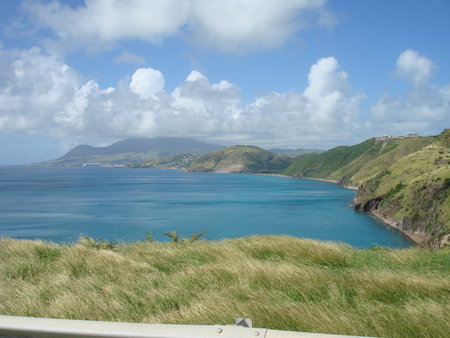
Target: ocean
62,203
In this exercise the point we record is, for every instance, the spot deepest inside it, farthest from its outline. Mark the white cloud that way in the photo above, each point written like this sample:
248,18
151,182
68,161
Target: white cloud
414,68
45,96
147,82
423,109
195,75
324,113
41,95
106,21
239,26
230,26
35,87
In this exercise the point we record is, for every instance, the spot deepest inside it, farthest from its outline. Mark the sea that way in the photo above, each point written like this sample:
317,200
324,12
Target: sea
61,204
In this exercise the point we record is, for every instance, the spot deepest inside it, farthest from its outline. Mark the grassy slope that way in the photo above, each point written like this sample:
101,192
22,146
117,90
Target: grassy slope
280,282
353,165
324,164
378,157
253,158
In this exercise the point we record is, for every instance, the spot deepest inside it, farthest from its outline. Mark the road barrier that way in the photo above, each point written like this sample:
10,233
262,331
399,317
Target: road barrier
12,326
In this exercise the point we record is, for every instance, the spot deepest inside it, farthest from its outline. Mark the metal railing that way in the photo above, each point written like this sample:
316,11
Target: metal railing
12,326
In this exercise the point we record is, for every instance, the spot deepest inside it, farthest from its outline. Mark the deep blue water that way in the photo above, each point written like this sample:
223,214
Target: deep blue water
60,204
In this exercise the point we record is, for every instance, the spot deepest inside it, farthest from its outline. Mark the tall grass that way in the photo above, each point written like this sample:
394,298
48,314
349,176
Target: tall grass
280,282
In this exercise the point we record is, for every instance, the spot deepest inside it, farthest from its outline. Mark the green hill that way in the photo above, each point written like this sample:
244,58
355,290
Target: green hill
241,159
402,180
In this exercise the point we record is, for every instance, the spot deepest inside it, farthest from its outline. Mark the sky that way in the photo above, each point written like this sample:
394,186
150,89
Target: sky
275,73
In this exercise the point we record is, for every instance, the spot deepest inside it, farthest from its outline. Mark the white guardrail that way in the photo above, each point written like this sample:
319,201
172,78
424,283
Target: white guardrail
12,326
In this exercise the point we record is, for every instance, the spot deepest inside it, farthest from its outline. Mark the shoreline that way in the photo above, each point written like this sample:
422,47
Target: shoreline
417,238
392,223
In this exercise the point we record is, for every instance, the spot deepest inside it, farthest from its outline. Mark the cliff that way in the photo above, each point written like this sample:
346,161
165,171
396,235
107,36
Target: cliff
404,181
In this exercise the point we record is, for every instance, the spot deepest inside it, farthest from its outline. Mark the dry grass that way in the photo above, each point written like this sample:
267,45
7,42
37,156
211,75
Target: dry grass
280,282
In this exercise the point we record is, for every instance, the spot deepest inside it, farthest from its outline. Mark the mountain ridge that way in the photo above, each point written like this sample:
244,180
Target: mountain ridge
131,150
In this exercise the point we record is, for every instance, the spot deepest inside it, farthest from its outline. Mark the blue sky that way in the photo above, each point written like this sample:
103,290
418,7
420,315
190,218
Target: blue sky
272,73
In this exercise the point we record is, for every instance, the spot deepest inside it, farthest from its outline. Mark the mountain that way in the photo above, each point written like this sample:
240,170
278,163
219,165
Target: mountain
241,159
132,150
295,152
403,180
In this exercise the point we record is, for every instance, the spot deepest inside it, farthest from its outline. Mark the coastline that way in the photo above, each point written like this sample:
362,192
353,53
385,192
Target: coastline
392,223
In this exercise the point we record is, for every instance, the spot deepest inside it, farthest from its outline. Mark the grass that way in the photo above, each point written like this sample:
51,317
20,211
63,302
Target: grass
280,282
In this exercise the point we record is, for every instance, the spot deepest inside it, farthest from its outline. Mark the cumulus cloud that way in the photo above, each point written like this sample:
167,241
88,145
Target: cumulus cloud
146,82
414,68
34,90
43,95
325,112
423,109
230,26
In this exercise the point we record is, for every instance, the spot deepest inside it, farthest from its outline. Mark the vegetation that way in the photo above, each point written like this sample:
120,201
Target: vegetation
415,191
280,282
323,165
400,179
241,159
173,162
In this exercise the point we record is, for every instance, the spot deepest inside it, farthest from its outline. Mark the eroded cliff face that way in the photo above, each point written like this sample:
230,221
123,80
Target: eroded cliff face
419,213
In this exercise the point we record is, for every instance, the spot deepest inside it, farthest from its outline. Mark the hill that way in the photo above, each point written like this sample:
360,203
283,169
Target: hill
402,180
241,159
132,150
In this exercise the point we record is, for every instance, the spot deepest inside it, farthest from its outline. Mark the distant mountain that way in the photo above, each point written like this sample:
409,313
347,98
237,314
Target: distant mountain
405,181
132,150
241,159
295,152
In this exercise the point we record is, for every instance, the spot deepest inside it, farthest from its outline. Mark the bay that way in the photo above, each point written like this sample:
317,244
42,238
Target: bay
60,204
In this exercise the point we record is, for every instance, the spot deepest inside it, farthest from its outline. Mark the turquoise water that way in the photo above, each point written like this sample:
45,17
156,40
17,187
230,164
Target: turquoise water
60,204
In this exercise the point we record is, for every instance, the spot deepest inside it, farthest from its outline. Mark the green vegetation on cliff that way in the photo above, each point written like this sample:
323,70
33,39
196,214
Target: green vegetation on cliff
241,159
404,180
280,282
415,191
